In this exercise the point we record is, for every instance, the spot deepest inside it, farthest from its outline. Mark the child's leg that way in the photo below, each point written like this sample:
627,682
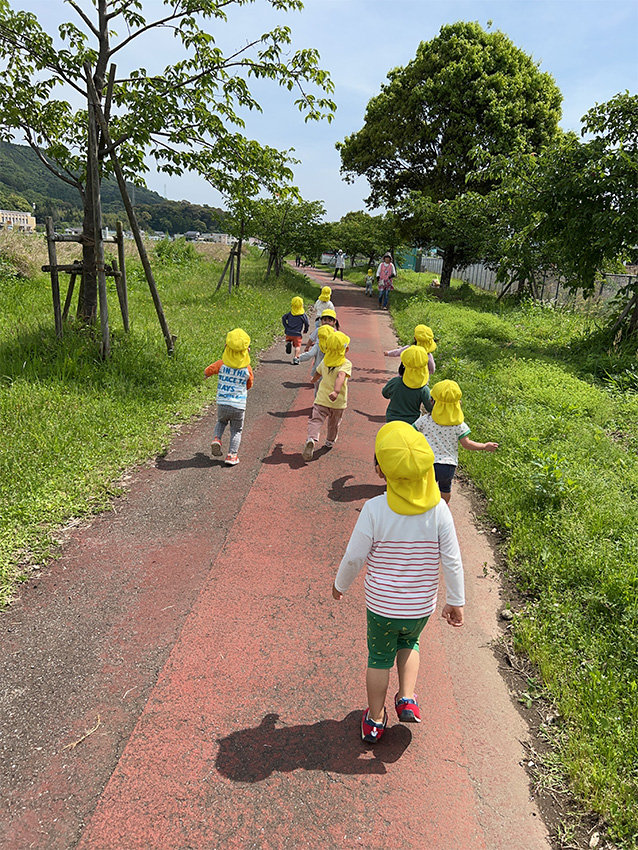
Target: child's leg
236,426
377,681
297,347
222,420
319,413
408,670
334,420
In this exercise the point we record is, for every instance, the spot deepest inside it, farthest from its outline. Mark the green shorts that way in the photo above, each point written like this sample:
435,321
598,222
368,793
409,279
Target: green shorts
387,636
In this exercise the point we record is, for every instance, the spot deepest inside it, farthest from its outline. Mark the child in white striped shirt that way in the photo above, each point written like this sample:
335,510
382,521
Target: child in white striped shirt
400,537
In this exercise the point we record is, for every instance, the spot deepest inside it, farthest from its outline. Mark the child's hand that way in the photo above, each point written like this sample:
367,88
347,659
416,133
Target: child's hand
336,594
333,395
386,353
453,614
491,447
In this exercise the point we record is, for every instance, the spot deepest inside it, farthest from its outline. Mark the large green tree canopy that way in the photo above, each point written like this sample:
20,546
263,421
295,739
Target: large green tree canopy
466,90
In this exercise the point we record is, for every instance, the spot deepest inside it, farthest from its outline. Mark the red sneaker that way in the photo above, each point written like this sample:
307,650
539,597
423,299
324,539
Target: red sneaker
216,447
371,731
407,709
231,460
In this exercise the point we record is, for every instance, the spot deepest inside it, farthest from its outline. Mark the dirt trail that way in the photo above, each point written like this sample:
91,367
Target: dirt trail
195,622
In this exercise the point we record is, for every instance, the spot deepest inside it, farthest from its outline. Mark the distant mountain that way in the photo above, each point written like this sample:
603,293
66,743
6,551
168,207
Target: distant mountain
25,181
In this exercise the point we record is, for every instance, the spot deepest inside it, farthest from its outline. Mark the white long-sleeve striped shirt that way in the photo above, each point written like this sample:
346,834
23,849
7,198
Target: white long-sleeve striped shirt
402,555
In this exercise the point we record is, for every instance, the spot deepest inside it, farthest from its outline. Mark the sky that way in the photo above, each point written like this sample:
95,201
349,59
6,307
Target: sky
590,47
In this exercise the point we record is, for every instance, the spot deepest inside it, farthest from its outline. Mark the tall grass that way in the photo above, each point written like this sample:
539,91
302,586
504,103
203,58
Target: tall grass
562,401
71,423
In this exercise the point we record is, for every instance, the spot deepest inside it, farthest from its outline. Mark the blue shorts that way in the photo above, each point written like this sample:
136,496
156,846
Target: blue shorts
444,473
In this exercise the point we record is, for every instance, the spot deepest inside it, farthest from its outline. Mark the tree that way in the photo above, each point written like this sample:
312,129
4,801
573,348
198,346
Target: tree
285,226
467,89
174,116
572,208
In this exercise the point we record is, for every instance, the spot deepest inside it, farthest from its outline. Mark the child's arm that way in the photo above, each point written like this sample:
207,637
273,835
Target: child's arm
395,352
213,369
431,365
477,447
309,353
428,404
251,378
339,382
316,377
452,569
386,392
355,555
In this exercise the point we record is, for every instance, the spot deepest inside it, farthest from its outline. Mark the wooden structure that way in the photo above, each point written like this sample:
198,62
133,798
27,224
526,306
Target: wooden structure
116,269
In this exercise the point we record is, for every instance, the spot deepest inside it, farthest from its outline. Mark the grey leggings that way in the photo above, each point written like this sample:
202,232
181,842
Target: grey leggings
233,416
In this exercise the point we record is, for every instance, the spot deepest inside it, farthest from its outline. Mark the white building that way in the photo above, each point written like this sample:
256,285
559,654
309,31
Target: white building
17,220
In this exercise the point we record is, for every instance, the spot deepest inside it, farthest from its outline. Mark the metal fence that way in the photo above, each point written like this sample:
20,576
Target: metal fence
550,288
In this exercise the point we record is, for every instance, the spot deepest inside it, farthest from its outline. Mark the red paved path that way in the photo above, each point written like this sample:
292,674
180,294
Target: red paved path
198,623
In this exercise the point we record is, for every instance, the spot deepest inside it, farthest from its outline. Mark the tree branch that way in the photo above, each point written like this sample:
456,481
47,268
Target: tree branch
70,180
84,17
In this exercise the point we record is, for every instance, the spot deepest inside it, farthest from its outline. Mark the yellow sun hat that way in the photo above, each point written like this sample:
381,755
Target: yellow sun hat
326,292
425,338
328,314
415,360
236,354
447,409
370,271
322,335
336,345
296,306
407,461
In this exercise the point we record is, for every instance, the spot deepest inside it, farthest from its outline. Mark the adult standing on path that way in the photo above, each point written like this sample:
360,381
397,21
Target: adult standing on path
340,264
178,678
386,272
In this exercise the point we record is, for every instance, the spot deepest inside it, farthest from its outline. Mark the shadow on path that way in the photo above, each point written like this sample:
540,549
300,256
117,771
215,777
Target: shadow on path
340,493
198,461
252,755
293,459
291,414
372,417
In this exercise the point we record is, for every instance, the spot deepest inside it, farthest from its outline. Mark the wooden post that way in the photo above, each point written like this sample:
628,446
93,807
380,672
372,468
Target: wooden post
170,342
55,281
120,281
221,279
93,165
69,294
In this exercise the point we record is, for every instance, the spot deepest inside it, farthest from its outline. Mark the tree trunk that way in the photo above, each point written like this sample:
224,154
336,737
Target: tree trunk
87,303
448,265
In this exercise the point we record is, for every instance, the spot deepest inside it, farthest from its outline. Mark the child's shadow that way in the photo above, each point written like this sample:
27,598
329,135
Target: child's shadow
199,461
252,755
373,418
290,414
294,460
340,493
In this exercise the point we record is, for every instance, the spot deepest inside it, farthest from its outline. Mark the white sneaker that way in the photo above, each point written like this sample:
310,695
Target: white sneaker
308,450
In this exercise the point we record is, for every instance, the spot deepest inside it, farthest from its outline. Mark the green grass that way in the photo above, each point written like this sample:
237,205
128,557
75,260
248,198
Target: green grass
562,401
72,424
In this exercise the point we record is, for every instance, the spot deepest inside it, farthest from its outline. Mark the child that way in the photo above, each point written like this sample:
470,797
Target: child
332,395
235,379
407,392
296,325
328,317
369,282
323,303
424,337
386,273
318,349
400,537
444,429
